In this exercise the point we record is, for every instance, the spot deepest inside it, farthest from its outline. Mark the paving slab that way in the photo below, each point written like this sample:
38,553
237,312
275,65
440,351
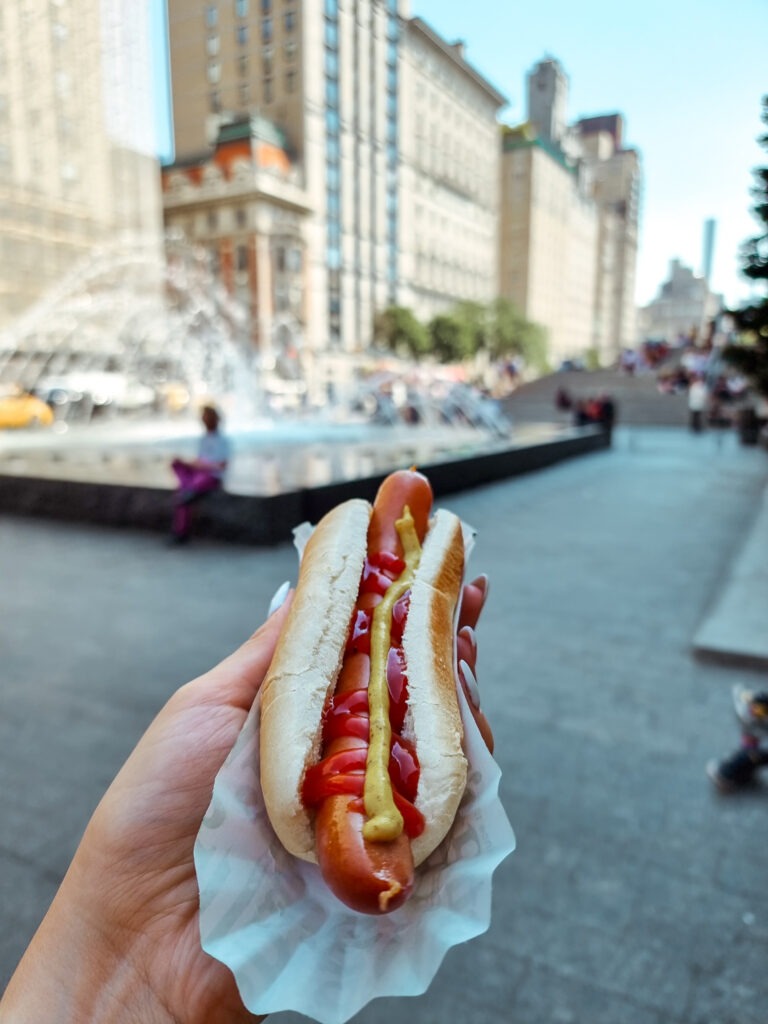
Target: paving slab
735,629
636,893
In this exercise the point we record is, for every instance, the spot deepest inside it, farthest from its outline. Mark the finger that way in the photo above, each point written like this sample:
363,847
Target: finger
237,679
466,646
469,685
473,596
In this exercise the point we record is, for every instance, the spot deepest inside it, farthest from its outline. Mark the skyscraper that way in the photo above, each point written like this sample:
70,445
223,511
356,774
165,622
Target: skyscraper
74,165
341,83
326,75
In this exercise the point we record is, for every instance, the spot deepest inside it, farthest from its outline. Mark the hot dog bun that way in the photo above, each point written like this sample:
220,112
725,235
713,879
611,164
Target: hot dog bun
306,664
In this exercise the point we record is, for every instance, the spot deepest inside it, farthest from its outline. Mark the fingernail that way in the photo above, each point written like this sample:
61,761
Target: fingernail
471,683
482,583
469,635
279,597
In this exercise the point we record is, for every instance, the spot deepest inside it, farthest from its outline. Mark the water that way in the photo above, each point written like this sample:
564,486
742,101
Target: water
129,344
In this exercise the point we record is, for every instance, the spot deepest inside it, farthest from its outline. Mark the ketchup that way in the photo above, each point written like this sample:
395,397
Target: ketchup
347,713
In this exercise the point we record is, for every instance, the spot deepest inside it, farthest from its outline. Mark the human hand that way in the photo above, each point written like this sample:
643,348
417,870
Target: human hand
473,598
121,941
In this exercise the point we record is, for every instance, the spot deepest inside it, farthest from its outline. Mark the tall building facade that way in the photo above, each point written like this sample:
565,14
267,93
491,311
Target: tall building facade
570,210
75,167
391,134
449,182
326,75
613,175
549,236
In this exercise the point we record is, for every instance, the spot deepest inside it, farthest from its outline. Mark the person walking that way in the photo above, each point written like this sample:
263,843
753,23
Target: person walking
200,476
697,403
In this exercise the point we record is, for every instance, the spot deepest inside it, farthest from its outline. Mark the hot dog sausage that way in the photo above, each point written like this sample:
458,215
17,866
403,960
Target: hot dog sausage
369,876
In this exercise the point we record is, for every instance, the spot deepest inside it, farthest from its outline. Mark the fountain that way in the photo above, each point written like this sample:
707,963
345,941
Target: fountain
129,344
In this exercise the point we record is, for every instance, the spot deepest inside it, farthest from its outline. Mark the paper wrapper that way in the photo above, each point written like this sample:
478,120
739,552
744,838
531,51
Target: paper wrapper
291,944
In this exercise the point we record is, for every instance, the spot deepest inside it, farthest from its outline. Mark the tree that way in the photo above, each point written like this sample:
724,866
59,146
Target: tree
750,355
476,321
398,330
451,338
511,333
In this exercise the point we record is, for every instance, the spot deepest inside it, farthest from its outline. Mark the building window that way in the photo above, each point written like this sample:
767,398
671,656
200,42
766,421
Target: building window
290,81
241,8
266,30
244,94
267,62
214,101
212,45
242,65
242,35
242,258
266,6
267,90
214,72
290,50
240,217
211,16
212,220
290,21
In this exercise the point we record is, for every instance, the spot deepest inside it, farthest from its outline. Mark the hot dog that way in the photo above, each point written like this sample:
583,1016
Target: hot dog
362,767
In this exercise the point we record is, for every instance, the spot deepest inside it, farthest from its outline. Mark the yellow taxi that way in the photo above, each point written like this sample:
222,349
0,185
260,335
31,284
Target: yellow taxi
21,410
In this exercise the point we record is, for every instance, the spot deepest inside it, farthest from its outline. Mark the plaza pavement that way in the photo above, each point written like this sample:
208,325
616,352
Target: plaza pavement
636,895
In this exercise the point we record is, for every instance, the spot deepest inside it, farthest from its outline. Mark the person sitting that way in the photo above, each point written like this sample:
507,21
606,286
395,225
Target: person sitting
201,475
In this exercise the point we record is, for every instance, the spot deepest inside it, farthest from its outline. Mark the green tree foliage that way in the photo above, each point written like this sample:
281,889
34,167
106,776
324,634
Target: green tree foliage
398,330
750,355
512,334
451,338
498,328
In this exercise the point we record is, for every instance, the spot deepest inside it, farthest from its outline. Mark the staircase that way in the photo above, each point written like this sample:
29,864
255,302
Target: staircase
638,399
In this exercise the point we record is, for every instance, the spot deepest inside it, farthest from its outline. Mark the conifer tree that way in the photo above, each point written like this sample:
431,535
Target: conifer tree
750,355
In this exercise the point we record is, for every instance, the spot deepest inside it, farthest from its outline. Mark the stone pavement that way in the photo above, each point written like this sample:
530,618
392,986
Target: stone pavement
636,895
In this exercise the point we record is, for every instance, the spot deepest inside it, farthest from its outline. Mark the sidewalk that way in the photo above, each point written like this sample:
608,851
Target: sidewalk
636,894
736,628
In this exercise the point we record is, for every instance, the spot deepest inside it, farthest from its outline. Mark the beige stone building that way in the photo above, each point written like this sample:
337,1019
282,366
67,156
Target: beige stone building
613,178
682,309
448,197
569,235
549,234
76,163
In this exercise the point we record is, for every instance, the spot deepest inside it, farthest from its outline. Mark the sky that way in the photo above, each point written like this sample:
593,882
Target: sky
688,76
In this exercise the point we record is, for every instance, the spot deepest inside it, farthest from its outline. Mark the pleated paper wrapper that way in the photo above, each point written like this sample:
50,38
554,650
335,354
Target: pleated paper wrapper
291,944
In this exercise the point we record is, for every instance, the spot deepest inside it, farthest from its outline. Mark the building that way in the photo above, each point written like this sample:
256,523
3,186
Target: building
548,243
245,204
683,308
448,196
392,136
613,175
325,74
76,155
569,235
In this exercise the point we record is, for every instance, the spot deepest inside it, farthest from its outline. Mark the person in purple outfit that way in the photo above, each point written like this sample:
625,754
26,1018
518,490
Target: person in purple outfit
200,476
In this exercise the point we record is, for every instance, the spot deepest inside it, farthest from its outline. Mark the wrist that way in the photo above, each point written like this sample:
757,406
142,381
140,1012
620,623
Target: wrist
73,972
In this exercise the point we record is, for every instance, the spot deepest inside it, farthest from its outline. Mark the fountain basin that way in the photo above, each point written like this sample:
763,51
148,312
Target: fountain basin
276,479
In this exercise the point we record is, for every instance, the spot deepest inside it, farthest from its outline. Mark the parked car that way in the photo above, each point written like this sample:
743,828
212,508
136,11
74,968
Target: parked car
23,410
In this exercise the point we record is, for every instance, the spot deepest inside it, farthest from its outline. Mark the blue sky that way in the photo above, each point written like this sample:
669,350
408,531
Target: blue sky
687,75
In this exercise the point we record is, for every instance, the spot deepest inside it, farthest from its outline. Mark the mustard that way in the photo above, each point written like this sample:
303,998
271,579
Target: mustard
385,822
